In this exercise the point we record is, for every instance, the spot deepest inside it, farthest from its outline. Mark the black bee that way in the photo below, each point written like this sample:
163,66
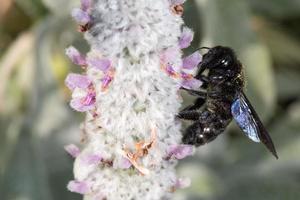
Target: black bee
222,98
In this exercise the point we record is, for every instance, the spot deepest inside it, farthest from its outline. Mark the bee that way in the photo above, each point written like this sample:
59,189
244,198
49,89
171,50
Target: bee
220,99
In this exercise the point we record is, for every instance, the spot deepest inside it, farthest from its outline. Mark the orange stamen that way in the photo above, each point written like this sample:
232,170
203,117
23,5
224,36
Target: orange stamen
177,9
142,149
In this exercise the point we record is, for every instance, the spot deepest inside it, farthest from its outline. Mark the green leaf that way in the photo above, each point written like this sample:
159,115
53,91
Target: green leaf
287,82
33,8
284,47
259,75
55,6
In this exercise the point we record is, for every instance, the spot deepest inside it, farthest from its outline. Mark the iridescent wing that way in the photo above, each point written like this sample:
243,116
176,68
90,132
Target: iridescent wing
248,120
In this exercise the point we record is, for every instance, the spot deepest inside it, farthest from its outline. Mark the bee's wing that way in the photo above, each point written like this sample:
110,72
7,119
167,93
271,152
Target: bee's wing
248,120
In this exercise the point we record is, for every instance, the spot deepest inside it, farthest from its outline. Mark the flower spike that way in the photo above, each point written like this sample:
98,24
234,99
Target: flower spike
130,79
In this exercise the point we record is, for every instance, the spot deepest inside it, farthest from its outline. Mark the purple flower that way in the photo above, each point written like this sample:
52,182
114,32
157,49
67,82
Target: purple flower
122,163
92,159
86,103
192,61
191,83
106,80
125,164
100,64
84,98
73,150
186,38
170,70
80,16
90,98
80,187
86,4
186,75
75,56
180,151
77,105
169,55
77,81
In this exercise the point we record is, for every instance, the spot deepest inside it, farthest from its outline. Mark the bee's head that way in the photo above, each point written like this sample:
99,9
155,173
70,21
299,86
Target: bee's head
218,57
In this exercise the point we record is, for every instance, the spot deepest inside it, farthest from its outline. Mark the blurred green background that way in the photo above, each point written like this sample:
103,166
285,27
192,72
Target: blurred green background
36,121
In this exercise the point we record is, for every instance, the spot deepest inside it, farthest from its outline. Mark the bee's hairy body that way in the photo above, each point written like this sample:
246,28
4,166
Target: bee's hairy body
223,83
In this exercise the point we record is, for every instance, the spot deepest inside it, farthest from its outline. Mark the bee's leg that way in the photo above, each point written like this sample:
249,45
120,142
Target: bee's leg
198,94
190,112
204,80
189,115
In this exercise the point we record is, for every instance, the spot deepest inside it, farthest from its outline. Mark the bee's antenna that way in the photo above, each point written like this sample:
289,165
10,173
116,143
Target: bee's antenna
203,48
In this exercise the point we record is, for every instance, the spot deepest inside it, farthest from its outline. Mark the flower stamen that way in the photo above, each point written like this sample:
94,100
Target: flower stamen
107,79
170,70
141,149
84,28
177,9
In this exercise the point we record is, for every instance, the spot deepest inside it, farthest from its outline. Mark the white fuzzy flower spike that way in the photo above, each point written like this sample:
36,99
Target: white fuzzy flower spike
129,91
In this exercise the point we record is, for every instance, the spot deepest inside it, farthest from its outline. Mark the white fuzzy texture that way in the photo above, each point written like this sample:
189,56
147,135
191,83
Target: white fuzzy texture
140,26
132,34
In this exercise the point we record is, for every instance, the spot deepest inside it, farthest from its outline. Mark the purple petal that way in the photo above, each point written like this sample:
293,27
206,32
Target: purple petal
85,4
191,61
177,2
182,183
191,83
92,159
86,103
186,75
124,164
169,55
75,56
73,150
80,16
80,187
77,81
170,70
90,98
78,105
180,151
186,38
101,64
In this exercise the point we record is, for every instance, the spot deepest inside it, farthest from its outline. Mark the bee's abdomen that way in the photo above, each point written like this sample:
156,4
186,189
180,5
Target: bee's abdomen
216,114
207,128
